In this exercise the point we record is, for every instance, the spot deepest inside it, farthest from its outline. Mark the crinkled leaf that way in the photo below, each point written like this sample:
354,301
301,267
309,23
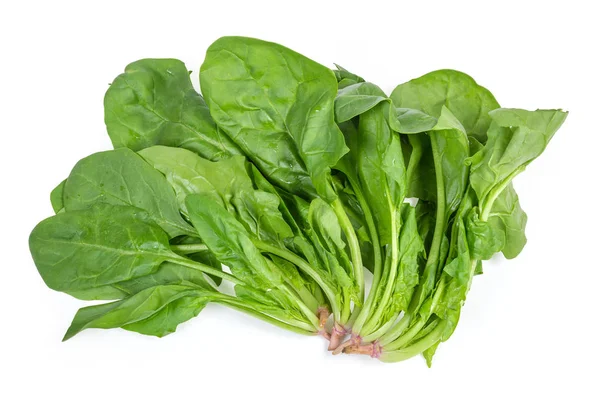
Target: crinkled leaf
458,92
515,138
154,103
229,241
134,311
409,253
121,177
345,77
82,252
227,182
266,96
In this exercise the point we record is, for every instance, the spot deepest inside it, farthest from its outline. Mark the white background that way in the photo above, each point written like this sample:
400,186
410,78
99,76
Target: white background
530,326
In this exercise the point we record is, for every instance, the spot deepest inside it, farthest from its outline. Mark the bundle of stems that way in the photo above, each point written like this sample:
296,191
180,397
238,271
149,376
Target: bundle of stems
276,189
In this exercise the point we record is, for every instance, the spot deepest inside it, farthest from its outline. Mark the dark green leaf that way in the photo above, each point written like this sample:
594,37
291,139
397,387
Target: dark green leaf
266,96
468,101
134,311
56,197
121,177
153,103
87,250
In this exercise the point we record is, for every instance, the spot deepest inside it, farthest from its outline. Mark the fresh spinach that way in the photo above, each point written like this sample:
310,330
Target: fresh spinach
285,181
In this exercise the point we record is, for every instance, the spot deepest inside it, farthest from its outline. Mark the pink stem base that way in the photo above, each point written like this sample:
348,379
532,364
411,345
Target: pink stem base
371,349
337,334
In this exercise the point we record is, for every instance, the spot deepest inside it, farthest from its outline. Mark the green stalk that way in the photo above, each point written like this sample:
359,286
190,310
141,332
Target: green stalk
345,312
415,157
352,240
440,217
308,313
204,268
306,268
188,248
416,348
379,332
495,192
408,336
290,325
430,271
391,276
420,323
365,311
396,330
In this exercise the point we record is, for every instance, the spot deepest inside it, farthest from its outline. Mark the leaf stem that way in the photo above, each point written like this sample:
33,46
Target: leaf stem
391,276
304,267
416,348
290,325
308,313
379,332
189,248
495,192
186,262
352,240
364,312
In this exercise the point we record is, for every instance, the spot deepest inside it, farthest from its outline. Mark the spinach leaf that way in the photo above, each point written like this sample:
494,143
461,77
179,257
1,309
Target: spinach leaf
410,252
459,93
515,138
229,241
227,182
121,177
86,251
345,78
56,197
266,96
154,103
153,311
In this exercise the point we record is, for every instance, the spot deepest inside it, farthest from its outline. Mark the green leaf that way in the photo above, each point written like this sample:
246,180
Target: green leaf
515,138
121,177
484,238
153,103
87,250
450,146
56,197
508,216
413,121
133,312
167,274
189,173
228,183
429,353
229,241
357,99
411,249
380,169
266,96
458,92
345,77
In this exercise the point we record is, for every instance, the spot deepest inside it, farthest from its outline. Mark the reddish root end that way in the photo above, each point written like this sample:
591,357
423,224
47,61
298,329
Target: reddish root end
337,334
355,340
371,349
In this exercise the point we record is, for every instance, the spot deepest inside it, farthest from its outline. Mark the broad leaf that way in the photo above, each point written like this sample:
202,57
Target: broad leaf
458,92
266,96
154,103
88,250
150,311
121,177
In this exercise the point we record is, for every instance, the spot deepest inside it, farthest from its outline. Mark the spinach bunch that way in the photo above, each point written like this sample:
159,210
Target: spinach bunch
275,189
